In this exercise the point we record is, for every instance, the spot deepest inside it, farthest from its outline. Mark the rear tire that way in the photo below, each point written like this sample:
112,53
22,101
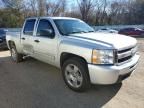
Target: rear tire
75,74
15,56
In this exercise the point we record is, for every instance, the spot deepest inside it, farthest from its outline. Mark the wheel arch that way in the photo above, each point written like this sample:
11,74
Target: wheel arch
65,56
10,43
83,65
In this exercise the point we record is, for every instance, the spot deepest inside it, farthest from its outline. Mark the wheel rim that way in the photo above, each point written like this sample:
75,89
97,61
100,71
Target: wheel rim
13,54
73,76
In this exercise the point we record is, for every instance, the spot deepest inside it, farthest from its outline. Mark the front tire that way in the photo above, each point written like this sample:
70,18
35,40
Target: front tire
75,74
15,56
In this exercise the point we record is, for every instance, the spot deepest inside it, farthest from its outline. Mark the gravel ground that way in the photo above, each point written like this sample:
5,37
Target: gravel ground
33,84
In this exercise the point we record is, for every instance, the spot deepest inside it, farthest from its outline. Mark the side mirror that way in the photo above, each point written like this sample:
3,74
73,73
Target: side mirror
47,33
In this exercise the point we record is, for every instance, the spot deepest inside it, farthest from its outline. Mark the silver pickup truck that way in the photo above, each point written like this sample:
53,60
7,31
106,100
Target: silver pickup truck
84,56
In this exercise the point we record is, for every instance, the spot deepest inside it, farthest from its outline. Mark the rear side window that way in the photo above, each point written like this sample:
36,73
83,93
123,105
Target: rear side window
29,27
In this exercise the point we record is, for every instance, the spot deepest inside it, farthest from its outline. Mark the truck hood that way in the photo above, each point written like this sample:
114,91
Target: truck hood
115,41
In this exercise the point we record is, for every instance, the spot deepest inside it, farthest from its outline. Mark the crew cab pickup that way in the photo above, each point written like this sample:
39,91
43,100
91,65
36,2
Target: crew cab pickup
84,56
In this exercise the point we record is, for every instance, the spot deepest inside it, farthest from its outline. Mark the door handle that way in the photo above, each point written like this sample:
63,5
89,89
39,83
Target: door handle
23,38
37,41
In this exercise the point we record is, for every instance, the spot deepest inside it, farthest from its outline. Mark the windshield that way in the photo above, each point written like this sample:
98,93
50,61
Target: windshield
66,26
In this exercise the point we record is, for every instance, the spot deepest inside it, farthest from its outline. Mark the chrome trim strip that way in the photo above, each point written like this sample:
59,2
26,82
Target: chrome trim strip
126,54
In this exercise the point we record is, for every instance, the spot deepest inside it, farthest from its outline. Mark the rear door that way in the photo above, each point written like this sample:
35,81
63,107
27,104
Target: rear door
45,44
27,36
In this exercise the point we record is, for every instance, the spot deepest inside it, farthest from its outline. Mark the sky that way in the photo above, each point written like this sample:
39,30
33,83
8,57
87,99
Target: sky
69,2
1,4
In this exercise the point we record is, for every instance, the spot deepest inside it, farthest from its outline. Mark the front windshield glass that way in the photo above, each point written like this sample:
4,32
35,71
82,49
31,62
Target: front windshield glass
68,26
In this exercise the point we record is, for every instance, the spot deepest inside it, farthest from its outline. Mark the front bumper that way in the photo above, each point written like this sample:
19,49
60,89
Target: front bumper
104,74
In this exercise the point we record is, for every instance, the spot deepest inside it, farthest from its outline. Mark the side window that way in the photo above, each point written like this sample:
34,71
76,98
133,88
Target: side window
29,27
45,29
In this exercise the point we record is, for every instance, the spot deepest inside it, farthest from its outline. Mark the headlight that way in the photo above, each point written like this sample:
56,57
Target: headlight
103,56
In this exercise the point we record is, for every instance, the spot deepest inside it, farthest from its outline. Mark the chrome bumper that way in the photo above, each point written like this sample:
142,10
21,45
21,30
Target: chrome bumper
110,74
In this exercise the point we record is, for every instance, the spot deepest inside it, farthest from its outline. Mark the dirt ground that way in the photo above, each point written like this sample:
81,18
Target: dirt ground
33,84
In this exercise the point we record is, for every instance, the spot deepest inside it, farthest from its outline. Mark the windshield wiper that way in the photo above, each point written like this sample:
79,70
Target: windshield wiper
78,32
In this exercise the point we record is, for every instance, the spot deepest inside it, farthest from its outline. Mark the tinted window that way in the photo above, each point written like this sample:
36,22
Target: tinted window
103,29
124,30
130,29
29,27
45,29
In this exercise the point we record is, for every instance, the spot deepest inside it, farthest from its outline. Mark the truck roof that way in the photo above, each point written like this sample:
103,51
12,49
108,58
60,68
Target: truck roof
46,17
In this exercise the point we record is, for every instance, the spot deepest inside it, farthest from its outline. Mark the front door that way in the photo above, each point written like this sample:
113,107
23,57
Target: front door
45,42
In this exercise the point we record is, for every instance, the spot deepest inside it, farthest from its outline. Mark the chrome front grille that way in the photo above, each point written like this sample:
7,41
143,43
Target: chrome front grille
125,55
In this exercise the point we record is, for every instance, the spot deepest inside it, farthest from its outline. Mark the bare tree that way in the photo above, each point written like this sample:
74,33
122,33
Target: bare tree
123,12
101,11
42,7
15,4
98,11
56,8
85,7
104,7
33,4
